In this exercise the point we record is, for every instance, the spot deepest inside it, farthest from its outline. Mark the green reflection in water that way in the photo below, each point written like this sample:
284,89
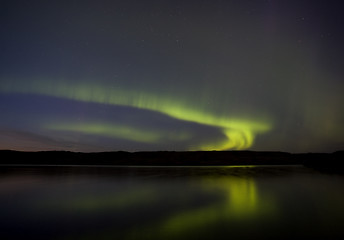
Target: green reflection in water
241,202
234,202
124,200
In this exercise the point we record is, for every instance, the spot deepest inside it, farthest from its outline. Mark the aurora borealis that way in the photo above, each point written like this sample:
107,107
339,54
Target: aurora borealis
172,75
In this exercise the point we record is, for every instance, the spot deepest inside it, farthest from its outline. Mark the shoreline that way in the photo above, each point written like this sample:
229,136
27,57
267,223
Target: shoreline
320,161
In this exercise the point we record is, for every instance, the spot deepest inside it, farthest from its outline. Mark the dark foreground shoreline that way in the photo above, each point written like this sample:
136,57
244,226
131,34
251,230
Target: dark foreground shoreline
323,161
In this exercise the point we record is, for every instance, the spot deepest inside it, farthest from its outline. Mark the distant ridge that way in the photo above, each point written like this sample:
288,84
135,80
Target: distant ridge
328,161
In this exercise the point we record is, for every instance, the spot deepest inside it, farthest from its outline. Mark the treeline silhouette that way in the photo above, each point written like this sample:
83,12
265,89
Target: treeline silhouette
170,158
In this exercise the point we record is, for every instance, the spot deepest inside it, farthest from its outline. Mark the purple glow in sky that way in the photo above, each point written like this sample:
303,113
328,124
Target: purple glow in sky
172,75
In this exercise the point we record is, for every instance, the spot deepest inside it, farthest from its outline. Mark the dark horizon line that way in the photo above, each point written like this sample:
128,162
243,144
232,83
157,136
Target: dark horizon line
331,162
168,151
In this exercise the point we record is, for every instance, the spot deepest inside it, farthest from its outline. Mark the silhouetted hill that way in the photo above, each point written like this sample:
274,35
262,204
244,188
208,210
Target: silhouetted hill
326,161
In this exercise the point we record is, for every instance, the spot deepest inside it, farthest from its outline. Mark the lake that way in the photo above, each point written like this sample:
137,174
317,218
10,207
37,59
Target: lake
247,202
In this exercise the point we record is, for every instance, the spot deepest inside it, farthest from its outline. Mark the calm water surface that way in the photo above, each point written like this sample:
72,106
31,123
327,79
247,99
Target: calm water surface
284,202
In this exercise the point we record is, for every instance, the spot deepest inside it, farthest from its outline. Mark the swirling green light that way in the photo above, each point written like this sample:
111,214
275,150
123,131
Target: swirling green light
239,132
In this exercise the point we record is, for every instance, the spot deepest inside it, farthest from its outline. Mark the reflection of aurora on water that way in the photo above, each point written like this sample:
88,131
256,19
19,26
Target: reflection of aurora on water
238,133
237,200
241,202
172,203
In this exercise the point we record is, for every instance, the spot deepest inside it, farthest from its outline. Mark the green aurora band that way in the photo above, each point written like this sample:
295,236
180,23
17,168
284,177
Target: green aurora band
118,130
239,132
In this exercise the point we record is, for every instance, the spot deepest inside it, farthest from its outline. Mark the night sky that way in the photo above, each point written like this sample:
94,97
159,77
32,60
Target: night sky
172,75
